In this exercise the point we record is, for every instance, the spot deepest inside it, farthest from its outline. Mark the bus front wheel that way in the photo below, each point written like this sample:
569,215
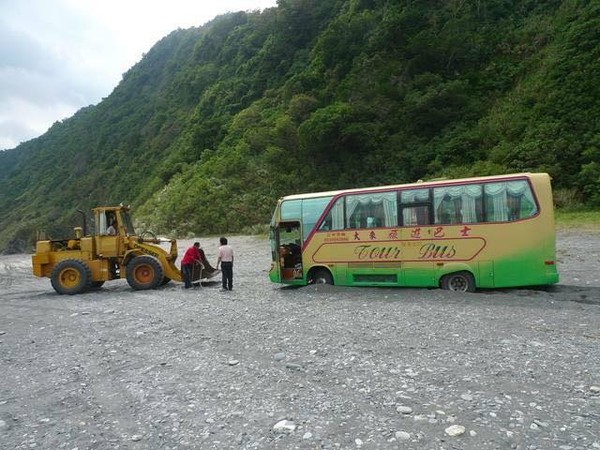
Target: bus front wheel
459,282
322,276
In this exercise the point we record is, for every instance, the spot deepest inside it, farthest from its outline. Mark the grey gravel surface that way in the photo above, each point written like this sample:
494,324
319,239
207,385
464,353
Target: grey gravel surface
272,367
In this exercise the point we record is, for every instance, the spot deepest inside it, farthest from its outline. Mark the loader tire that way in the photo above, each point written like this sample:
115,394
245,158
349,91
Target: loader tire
144,272
71,277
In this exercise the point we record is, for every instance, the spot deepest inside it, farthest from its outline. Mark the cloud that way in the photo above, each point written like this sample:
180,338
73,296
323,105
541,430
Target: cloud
58,56
46,71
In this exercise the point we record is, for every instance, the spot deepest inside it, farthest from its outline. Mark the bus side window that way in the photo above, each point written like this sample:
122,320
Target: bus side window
508,201
335,217
311,211
520,200
449,211
415,206
377,209
457,204
415,215
326,225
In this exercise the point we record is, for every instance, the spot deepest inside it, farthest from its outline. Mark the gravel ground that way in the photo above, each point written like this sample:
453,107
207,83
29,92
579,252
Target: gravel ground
272,367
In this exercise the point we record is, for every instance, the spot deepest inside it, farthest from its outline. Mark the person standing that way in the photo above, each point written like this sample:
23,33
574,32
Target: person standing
192,256
225,258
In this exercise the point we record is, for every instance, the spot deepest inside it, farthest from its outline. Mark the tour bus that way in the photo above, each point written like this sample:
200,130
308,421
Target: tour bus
460,235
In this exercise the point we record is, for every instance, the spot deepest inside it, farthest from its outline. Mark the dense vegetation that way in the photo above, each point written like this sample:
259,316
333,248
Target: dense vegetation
216,122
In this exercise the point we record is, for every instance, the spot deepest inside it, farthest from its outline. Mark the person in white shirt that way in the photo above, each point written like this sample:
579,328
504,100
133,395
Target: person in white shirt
112,229
225,259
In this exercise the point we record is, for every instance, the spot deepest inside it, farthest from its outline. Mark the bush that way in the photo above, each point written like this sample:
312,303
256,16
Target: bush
567,199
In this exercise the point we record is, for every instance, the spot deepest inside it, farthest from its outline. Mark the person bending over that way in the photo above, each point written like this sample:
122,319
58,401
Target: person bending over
192,256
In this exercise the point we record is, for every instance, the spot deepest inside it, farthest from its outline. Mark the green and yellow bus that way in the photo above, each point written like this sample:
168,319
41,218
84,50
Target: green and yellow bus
462,234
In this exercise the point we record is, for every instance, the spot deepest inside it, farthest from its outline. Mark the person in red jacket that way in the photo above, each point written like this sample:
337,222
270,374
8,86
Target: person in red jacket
193,255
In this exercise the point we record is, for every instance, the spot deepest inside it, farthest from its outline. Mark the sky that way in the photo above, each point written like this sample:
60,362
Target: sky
57,56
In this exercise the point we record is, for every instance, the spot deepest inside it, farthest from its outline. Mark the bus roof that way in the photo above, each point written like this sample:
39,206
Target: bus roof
416,185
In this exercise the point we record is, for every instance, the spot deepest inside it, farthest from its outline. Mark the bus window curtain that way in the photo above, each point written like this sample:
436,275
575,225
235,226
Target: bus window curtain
352,202
387,199
337,215
499,209
414,215
496,202
390,209
519,190
464,199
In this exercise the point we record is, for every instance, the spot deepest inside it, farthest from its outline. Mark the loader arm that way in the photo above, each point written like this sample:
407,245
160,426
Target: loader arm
166,259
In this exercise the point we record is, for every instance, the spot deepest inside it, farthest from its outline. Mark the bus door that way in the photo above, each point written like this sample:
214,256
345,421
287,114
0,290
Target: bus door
289,240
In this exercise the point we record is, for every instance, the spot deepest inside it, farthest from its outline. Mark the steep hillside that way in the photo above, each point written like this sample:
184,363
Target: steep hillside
216,122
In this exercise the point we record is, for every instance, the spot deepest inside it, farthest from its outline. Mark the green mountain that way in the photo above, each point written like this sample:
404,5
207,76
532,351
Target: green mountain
215,123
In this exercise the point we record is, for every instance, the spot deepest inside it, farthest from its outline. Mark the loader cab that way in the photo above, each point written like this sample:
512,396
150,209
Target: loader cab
119,216
107,244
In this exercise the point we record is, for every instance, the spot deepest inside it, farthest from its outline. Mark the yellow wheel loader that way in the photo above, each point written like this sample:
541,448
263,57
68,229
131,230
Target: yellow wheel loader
111,252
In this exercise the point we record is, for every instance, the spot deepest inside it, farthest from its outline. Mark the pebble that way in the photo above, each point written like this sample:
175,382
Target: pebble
233,362
540,423
279,356
595,389
455,430
284,426
402,435
136,437
404,409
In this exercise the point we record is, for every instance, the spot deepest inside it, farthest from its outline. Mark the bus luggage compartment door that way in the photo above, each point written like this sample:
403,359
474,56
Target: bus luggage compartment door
374,273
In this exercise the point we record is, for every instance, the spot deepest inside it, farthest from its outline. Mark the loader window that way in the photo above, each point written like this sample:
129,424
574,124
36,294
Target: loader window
102,225
128,224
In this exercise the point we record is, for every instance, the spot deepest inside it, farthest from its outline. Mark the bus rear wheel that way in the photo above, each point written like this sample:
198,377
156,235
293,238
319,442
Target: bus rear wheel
459,282
322,276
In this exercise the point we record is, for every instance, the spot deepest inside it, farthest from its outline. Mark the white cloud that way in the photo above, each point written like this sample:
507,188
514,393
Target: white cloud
57,56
